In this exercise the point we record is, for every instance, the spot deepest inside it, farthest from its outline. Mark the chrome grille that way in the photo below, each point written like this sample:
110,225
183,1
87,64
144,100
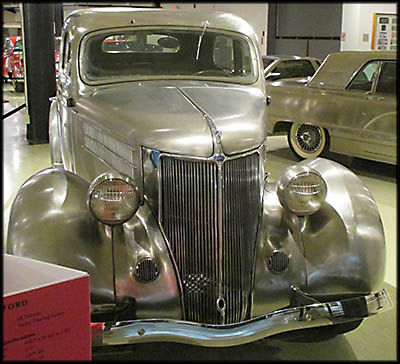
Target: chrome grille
189,216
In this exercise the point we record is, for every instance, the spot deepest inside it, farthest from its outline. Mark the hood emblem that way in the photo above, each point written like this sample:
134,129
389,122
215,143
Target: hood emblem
219,158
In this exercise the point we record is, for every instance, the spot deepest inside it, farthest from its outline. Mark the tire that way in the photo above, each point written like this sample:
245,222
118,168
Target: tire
18,86
308,141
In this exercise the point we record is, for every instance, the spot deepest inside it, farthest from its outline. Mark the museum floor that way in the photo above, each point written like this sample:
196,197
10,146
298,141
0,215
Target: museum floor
375,339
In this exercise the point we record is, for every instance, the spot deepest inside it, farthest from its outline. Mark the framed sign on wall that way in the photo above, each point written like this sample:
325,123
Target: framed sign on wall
384,32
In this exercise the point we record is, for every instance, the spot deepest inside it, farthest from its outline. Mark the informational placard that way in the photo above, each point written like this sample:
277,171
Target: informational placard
46,311
384,32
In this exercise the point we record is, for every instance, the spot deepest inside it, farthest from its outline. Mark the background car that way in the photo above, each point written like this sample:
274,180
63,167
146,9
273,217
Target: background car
7,50
284,67
13,61
349,106
17,66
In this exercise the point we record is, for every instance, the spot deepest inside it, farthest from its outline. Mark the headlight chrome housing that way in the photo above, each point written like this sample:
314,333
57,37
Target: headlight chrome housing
113,198
301,190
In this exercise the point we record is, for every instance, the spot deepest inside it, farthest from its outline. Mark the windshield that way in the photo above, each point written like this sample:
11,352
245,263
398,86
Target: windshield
18,45
167,53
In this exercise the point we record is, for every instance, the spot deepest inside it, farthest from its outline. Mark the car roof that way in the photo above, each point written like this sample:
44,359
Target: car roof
87,20
337,68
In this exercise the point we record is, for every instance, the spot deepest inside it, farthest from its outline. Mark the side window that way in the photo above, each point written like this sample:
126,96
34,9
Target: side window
387,78
267,62
66,55
7,46
365,77
294,68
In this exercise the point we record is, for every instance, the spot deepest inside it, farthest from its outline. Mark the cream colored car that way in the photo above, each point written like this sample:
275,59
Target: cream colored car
349,107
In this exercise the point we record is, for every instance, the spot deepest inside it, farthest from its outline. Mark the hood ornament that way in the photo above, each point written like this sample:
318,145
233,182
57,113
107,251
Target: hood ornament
219,154
216,133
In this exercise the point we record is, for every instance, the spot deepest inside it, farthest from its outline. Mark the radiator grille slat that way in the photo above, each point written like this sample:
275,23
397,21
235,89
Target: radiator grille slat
189,216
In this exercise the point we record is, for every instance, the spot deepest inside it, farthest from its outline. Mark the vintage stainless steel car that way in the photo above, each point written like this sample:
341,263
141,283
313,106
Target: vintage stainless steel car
158,190
349,106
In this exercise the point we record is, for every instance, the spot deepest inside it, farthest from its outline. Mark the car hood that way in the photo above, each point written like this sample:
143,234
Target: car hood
171,118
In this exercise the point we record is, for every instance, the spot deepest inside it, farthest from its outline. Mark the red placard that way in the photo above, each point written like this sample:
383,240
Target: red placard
49,322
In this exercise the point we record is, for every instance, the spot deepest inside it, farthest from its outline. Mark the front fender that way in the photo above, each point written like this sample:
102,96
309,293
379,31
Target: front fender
339,250
344,242
50,221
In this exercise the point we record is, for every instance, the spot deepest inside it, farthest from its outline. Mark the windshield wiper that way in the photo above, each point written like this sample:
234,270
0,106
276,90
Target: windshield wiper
205,25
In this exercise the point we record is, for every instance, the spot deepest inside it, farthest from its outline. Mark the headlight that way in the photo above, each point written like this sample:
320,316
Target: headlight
301,190
113,198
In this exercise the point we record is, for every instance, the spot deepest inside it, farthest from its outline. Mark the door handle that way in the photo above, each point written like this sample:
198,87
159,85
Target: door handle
369,97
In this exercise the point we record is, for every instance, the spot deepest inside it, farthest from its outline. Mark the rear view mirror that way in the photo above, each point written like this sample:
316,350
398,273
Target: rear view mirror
168,42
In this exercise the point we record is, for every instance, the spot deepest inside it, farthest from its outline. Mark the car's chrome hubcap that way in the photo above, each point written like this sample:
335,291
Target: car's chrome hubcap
309,138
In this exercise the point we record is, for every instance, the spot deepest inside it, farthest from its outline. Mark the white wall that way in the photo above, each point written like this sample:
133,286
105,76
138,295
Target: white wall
357,20
254,13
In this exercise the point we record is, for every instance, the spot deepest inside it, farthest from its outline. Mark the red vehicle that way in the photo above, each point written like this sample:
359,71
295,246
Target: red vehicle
13,62
7,51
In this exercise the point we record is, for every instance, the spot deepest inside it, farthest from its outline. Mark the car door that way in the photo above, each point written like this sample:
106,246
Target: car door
375,123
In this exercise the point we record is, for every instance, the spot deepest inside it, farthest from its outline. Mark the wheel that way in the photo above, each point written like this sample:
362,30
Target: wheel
18,86
308,141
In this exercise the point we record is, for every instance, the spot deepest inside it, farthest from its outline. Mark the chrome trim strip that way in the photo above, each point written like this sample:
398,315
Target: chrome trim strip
313,315
220,298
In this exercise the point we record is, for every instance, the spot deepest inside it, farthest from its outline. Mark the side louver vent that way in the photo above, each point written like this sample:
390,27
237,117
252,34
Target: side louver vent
146,271
278,262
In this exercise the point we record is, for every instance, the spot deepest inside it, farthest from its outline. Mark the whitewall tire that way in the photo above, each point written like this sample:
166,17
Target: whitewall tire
308,141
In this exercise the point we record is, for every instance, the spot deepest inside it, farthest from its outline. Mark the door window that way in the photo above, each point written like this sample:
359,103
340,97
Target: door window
365,77
387,79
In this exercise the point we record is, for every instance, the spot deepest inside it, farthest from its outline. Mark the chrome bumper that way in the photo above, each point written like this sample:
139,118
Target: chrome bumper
166,330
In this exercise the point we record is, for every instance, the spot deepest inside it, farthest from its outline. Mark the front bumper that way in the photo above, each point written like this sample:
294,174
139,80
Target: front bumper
302,317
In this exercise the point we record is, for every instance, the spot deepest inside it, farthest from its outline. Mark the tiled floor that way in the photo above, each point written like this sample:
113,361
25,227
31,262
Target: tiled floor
375,339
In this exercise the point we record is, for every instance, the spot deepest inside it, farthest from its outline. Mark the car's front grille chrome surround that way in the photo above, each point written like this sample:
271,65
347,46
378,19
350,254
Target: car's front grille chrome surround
209,212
